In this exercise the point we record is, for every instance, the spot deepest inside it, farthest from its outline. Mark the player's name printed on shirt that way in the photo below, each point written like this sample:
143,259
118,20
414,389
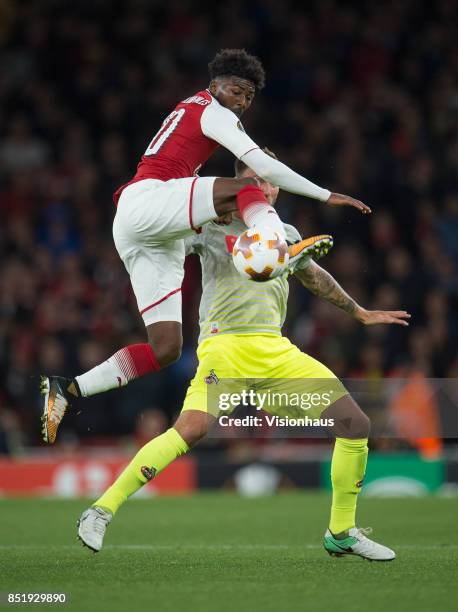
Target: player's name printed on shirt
197,100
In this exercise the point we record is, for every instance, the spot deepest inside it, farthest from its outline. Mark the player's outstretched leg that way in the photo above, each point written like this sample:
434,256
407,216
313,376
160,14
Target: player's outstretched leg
255,210
348,467
127,364
57,392
191,426
245,196
315,247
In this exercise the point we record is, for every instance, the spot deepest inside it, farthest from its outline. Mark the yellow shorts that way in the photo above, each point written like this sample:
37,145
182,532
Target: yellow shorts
285,380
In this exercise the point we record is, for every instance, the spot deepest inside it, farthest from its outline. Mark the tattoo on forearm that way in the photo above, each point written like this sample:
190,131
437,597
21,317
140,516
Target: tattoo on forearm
323,285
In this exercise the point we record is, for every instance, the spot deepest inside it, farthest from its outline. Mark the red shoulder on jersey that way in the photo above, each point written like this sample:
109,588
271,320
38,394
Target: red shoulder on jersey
179,148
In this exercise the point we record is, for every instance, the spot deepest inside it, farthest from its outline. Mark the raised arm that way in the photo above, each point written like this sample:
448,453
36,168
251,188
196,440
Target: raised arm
282,176
324,285
223,126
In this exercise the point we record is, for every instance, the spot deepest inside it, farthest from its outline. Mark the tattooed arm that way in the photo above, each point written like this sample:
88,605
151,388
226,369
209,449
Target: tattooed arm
323,285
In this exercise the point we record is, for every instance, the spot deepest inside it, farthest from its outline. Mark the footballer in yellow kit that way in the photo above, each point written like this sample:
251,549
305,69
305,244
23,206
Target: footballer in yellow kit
240,348
281,375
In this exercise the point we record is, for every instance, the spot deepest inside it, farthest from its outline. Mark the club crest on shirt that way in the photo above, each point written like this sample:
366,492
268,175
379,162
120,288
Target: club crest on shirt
230,241
359,484
211,378
240,126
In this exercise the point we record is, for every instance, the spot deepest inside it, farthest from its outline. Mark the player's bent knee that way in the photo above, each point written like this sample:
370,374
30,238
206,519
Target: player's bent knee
359,426
364,425
192,425
225,191
349,420
168,353
166,340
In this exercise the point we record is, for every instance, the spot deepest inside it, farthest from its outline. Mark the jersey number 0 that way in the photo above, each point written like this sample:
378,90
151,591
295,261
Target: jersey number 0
168,127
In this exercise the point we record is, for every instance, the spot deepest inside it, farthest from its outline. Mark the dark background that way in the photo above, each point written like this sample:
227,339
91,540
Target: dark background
361,98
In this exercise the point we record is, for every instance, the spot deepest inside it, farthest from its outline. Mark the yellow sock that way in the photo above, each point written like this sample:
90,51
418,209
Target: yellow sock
149,461
347,472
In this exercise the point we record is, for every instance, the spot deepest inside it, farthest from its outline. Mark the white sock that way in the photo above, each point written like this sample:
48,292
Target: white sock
262,215
105,376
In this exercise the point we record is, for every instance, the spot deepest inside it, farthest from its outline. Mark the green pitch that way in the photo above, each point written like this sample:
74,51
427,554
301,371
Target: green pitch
217,552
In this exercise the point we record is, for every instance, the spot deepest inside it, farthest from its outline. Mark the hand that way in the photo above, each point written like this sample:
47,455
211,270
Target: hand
337,199
224,219
373,317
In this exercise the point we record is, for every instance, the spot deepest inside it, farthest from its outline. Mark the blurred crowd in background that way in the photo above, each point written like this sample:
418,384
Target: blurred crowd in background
361,98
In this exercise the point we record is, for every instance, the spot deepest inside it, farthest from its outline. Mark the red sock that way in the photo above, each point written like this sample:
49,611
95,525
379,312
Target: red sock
256,210
137,360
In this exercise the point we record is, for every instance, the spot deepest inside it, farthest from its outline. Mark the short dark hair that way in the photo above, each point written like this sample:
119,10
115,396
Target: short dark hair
240,166
237,62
